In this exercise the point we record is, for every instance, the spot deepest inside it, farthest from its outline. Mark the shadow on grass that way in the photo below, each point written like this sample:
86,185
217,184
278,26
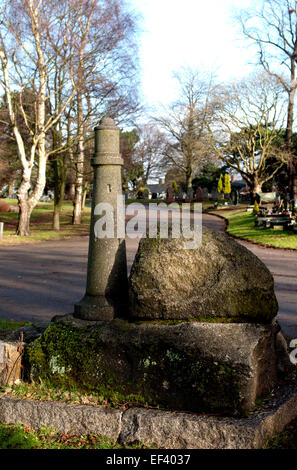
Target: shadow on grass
41,224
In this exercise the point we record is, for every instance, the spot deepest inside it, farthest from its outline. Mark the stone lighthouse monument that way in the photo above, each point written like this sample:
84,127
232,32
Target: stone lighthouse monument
106,294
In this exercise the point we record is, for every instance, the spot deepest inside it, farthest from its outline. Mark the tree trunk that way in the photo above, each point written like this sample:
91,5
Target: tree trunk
189,177
293,179
27,204
257,188
56,217
84,197
288,139
10,189
58,203
60,181
77,205
70,192
23,228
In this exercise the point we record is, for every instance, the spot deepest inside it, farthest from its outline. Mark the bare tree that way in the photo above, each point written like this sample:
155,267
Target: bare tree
81,38
186,124
249,129
149,151
273,27
104,70
27,61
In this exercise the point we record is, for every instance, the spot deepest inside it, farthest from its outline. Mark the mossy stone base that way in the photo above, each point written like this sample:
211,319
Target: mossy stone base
199,367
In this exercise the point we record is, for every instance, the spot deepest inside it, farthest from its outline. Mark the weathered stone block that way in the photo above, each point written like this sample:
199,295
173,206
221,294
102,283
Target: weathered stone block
10,363
220,279
200,367
76,419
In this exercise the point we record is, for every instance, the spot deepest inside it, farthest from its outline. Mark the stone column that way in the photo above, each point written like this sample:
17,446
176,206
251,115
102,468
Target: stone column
107,285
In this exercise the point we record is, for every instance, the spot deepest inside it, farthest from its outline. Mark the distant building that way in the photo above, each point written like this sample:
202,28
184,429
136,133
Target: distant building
158,189
240,185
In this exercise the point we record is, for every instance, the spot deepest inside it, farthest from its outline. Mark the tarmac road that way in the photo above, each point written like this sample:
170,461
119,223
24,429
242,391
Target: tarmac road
45,279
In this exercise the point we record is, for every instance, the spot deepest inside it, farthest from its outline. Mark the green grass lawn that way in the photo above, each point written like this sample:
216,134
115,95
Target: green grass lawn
241,224
22,437
41,224
13,325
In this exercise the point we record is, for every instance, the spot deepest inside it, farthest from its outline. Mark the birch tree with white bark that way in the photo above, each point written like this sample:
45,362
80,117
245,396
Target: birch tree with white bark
81,38
27,58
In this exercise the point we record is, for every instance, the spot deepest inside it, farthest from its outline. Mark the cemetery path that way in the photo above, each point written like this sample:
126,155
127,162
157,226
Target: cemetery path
42,280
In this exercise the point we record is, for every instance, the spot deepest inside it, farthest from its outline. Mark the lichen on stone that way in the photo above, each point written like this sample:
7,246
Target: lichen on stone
126,364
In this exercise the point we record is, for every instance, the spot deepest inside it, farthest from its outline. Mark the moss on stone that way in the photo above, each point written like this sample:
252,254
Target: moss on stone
133,372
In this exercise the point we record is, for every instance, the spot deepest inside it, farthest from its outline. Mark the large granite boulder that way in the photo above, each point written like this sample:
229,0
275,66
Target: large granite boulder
221,279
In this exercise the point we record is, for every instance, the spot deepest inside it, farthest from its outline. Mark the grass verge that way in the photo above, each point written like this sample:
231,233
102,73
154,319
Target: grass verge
242,225
22,437
41,224
13,325
45,392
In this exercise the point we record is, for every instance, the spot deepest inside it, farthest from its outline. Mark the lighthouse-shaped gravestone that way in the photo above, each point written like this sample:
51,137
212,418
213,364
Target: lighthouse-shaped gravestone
106,294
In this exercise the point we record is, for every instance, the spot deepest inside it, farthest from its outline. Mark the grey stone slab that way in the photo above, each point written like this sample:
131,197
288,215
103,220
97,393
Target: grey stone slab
162,429
76,419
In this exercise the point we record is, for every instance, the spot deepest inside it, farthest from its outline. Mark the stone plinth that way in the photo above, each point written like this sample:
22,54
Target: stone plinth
199,367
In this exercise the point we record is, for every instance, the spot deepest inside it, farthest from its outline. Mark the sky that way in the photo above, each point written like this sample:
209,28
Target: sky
199,34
